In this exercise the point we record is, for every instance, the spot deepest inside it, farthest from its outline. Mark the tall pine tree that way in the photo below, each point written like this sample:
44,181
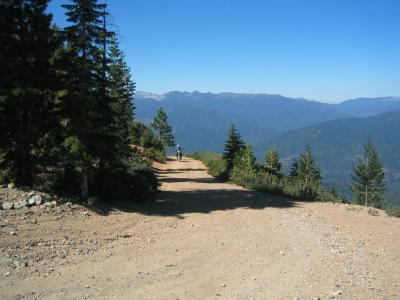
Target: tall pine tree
305,168
367,180
27,86
232,146
121,89
160,124
91,139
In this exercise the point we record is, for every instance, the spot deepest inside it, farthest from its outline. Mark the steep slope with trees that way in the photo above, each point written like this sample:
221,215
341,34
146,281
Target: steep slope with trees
336,145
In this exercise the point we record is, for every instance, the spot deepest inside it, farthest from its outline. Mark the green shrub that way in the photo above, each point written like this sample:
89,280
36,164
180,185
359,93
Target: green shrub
153,154
373,211
247,173
394,211
129,182
216,165
271,184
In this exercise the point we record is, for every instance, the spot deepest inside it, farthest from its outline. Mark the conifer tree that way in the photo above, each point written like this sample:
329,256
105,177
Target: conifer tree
91,140
121,89
245,160
232,146
272,163
164,130
27,86
367,181
305,168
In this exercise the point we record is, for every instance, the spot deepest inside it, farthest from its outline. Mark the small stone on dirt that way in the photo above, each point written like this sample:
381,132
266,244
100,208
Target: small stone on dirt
335,294
18,263
11,185
7,205
35,200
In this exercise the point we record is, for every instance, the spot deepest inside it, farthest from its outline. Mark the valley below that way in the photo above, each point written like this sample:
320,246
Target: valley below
336,133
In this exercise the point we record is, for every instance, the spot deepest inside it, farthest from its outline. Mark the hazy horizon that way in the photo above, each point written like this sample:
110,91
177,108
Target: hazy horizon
327,51
262,93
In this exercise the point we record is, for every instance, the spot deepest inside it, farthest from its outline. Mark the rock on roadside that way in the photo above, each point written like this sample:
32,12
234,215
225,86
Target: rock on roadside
35,200
7,205
20,204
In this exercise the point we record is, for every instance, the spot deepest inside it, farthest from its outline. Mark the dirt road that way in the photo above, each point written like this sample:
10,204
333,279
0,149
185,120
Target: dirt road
201,240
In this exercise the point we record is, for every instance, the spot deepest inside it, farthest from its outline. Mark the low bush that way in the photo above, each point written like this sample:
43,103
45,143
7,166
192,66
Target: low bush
216,165
394,211
267,183
153,154
248,174
129,182
373,211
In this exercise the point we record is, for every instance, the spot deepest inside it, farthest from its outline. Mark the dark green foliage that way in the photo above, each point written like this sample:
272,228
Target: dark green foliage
131,182
272,163
66,104
27,88
367,180
232,146
216,165
121,88
88,107
160,124
98,108
140,135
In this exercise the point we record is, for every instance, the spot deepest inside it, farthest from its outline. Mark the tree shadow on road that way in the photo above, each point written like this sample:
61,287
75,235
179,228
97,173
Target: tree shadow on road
178,203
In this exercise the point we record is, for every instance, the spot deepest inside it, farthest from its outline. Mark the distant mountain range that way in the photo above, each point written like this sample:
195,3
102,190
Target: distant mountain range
336,132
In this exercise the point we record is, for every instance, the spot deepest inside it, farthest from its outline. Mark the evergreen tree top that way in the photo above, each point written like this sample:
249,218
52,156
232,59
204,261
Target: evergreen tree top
367,179
305,168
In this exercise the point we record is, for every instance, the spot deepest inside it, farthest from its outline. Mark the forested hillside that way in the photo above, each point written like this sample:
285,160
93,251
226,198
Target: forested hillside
336,144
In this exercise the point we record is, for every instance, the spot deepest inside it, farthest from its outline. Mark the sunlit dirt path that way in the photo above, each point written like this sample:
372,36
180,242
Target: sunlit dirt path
203,239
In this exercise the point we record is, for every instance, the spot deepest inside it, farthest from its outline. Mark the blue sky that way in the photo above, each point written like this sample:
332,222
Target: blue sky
326,50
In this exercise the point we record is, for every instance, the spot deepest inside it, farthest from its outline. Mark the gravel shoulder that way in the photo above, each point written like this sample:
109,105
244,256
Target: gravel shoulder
201,239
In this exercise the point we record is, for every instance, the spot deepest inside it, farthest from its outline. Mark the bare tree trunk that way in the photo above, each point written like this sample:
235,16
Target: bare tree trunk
366,195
